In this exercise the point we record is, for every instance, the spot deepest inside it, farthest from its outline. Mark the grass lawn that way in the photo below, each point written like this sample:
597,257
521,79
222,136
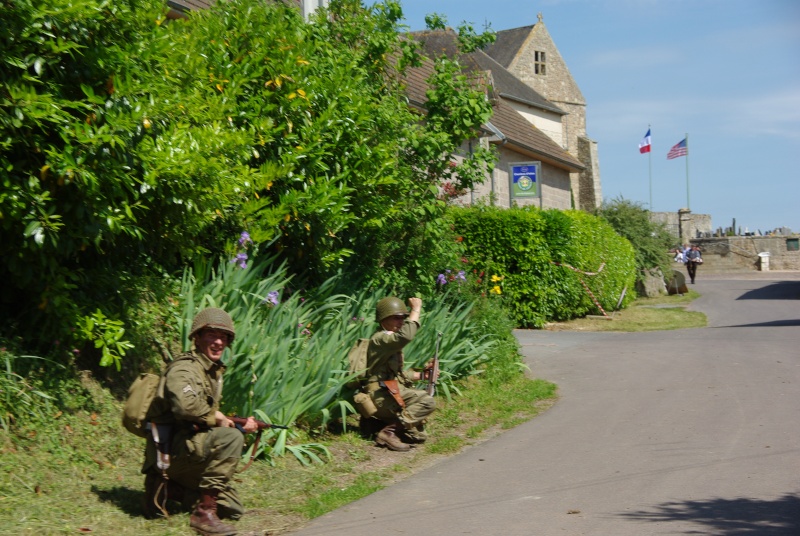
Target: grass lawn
645,314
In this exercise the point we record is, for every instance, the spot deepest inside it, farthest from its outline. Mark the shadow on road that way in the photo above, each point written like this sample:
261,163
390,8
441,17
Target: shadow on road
732,517
781,290
772,324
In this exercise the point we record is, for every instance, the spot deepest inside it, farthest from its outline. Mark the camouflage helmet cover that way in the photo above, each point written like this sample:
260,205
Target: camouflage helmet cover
213,318
390,306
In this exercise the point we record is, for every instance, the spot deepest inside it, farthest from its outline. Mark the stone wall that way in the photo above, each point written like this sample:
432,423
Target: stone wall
684,225
743,252
591,195
550,123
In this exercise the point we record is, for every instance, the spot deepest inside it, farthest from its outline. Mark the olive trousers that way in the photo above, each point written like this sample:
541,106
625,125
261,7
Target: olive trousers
418,405
204,460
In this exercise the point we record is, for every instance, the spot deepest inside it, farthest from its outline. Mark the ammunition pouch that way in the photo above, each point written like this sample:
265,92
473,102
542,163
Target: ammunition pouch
371,387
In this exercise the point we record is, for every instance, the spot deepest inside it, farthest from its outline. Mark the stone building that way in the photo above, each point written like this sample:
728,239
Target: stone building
539,116
530,54
512,132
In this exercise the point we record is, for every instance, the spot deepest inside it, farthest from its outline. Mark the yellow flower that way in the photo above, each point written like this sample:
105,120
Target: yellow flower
496,278
496,290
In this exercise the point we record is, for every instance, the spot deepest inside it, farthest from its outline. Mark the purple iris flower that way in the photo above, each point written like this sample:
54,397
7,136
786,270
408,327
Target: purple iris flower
272,297
241,259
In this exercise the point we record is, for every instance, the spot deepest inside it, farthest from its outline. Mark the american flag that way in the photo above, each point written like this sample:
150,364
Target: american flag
677,150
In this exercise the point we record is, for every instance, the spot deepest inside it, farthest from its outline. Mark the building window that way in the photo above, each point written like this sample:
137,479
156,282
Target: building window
793,244
538,62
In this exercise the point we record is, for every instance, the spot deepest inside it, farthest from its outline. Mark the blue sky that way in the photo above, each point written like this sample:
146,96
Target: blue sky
727,72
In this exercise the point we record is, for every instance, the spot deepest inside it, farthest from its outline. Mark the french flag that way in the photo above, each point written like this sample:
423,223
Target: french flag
644,145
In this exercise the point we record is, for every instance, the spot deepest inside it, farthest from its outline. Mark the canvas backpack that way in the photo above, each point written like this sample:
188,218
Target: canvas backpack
145,402
143,391
357,362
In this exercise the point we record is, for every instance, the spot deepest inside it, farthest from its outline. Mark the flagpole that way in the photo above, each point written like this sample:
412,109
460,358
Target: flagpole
650,165
688,205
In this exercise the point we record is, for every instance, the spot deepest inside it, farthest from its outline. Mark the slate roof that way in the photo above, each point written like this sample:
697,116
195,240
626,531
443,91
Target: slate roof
507,44
183,6
436,43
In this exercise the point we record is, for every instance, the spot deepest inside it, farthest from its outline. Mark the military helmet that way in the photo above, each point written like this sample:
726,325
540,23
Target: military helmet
213,318
390,306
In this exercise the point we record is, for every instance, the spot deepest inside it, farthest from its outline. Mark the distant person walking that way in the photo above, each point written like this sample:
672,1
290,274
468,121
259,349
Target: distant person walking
693,259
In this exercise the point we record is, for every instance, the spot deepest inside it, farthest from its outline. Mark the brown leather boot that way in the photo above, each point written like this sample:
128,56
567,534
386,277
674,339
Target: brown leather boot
204,519
388,438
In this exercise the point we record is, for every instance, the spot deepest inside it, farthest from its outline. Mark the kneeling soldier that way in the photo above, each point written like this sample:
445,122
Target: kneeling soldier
401,408
205,446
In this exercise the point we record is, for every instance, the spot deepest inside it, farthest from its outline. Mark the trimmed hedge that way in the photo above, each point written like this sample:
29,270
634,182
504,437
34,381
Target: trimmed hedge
553,264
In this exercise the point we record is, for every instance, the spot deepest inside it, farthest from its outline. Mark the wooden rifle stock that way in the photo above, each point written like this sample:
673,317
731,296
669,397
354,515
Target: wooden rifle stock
241,421
434,370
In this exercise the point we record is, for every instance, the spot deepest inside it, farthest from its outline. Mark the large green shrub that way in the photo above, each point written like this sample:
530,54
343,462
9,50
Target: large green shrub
133,145
548,265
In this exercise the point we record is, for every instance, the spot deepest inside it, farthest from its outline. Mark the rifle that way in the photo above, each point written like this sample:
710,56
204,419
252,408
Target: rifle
433,373
241,421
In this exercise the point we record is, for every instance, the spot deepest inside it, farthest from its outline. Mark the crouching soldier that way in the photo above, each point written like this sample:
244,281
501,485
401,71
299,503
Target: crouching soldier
205,446
389,391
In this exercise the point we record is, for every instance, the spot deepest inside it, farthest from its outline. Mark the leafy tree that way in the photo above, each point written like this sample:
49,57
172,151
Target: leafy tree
70,207
651,241
133,145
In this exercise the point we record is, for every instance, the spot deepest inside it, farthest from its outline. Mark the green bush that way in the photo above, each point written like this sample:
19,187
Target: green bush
548,265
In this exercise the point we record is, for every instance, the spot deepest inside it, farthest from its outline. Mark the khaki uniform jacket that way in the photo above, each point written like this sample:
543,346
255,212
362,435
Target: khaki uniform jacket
193,389
192,392
385,354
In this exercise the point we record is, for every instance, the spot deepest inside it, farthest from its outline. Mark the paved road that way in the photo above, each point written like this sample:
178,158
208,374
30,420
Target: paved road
679,432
